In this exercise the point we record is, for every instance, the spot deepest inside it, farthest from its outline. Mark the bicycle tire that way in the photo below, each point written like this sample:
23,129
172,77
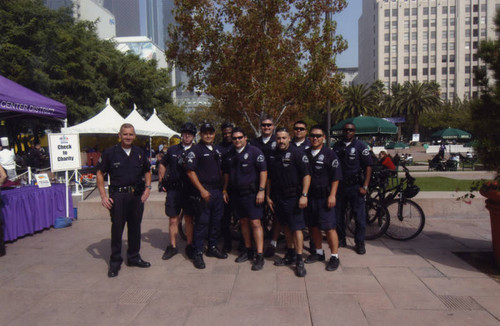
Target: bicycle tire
377,220
409,224
180,227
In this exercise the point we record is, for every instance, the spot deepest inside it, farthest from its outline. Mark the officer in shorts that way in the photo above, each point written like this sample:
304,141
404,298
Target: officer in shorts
288,185
173,180
245,176
355,160
203,168
320,211
130,175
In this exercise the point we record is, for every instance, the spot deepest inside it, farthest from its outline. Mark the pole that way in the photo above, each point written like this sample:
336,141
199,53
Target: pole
67,196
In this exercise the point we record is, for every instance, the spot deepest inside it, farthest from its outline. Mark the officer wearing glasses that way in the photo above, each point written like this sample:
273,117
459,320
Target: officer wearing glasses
356,162
300,132
203,166
320,212
245,176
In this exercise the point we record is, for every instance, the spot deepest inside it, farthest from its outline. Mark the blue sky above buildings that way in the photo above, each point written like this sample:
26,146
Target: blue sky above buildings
347,26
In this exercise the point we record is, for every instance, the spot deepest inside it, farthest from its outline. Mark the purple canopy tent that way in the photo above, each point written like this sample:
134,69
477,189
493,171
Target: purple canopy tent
16,100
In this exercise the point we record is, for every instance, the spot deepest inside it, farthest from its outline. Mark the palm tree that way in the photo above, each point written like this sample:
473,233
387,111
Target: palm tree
415,98
357,100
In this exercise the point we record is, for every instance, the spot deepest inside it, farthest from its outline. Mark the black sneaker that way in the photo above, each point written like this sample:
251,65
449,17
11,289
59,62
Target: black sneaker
342,243
314,258
333,264
215,252
190,251
270,251
360,248
300,269
258,263
198,261
242,257
169,253
289,259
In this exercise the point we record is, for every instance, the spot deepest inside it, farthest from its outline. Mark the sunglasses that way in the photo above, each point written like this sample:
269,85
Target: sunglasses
238,138
315,135
267,125
299,129
349,130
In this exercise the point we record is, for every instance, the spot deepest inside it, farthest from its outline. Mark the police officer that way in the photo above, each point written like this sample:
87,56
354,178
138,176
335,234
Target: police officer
356,162
127,165
224,147
289,180
173,179
320,211
203,168
300,132
267,143
245,175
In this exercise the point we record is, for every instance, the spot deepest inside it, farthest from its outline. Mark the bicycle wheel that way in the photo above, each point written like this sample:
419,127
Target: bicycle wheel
377,220
408,224
180,226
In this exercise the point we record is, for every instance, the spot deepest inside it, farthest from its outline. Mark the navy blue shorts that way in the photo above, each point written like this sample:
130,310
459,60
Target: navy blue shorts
174,203
319,215
288,213
245,207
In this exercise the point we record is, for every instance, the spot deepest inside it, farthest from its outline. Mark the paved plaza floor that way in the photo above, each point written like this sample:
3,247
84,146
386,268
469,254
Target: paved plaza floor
59,277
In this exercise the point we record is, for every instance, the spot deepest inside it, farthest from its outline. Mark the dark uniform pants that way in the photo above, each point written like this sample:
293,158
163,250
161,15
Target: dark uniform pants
209,220
351,195
127,208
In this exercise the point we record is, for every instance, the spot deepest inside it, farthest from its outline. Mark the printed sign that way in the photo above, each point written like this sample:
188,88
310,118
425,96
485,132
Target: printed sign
64,152
42,180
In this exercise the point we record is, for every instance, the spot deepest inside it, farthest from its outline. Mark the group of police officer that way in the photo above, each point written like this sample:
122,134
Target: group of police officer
304,183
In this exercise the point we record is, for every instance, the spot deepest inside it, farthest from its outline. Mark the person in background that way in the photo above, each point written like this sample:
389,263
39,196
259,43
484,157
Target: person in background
8,159
130,174
3,177
385,160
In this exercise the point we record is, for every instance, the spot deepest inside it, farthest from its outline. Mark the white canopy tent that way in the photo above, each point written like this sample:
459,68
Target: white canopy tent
159,127
108,121
140,125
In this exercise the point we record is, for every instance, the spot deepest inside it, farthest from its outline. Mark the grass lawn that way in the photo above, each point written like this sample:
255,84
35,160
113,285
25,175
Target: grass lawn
443,184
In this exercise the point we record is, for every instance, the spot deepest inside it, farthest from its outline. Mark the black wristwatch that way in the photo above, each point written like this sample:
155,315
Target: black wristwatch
262,188
304,194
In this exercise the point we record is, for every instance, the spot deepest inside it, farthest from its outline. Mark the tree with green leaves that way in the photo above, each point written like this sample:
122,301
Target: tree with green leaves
412,99
258,57
356,100
51,53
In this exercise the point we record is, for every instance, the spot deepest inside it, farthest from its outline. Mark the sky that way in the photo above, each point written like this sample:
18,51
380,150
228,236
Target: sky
347,26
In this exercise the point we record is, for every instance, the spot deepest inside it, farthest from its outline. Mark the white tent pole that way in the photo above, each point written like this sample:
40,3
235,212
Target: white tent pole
67,196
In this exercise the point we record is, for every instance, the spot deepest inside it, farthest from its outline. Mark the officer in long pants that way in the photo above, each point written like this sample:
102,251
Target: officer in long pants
288,185
224,147
356,162
203,168
130,175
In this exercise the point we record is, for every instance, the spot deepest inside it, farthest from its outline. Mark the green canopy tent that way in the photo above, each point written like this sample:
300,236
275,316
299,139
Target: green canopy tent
366,125
451,134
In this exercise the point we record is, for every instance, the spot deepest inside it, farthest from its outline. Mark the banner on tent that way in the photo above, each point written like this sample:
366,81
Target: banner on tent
64,152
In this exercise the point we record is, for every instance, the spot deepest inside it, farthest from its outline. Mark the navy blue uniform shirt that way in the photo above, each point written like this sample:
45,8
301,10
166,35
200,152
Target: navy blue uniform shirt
353,158
303,146
244,168
266,148
325,167
124,170
206,163
287,168
174,162
224,147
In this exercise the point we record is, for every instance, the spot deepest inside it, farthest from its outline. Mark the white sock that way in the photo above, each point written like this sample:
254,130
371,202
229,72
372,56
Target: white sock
273,243
335,255
319,251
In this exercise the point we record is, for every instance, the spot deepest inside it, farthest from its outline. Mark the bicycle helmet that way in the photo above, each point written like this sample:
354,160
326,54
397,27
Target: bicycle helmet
411,191
189,127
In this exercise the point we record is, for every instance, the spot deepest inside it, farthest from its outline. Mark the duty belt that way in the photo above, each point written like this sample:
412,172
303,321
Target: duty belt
122,189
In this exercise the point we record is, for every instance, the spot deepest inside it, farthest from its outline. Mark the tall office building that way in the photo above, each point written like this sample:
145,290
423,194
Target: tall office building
425,40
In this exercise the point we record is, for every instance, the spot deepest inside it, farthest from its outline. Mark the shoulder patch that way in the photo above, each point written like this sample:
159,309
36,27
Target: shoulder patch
366,152
260,158
305,159
335,163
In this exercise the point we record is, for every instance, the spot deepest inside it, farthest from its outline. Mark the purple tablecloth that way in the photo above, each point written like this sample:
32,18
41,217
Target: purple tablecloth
30,209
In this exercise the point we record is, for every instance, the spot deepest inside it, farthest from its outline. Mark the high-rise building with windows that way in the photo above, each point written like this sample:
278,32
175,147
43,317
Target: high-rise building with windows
425,40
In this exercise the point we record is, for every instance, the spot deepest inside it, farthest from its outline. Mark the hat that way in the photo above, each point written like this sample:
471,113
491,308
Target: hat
189,127
206,127
4,141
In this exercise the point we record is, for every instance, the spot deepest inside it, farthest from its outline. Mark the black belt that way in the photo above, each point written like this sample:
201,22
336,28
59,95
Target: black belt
123,189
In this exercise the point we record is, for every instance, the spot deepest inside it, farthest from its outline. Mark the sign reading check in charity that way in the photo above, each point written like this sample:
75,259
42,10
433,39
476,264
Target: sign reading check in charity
64,152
